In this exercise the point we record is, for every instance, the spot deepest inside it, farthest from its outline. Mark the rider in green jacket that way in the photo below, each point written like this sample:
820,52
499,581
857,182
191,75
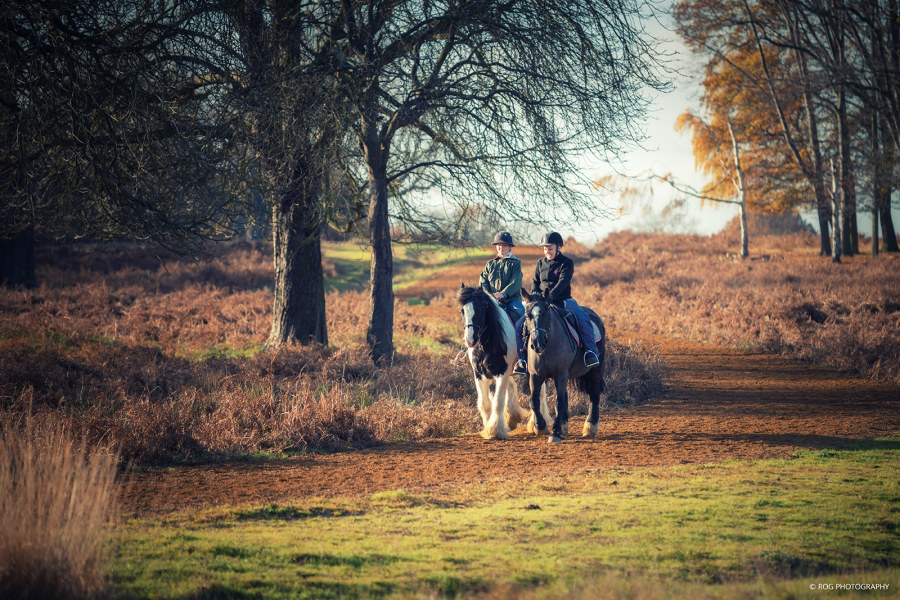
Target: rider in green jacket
502,276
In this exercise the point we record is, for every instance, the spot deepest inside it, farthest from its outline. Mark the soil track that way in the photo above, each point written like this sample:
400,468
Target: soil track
722,403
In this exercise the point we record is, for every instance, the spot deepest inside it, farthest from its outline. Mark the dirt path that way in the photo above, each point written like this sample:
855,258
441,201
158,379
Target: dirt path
722,404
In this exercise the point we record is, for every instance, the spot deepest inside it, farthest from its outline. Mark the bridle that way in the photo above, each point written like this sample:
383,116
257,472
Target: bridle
475,326
534,329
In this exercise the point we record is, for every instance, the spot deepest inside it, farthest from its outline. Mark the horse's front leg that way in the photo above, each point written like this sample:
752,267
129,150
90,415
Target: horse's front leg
540,415
483,389
495,427
561,423
515,414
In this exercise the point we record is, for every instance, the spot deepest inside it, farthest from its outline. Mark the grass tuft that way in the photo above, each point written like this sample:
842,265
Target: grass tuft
57,499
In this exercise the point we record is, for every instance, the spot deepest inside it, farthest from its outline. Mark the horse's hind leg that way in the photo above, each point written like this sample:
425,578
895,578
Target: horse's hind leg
591,424
595,387
561,423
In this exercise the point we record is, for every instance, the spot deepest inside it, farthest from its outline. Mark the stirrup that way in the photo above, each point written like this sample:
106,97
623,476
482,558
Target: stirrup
593,361
462,357
520,368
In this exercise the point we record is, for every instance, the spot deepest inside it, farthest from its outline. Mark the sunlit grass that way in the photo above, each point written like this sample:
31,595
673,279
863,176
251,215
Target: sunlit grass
412,263
718,530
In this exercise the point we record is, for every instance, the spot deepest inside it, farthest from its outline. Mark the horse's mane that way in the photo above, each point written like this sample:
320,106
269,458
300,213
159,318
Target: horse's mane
491,335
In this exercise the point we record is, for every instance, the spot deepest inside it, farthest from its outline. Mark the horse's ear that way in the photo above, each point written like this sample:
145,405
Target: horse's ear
525,295
462,285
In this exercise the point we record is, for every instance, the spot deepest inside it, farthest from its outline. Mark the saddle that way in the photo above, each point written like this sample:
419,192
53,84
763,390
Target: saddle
570,321
513,315
571,324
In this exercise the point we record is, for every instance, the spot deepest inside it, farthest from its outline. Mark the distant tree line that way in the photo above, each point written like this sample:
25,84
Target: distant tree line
168,121
801,108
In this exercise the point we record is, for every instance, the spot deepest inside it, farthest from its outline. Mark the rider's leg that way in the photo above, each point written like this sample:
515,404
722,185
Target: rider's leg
585,329
516,305
520,346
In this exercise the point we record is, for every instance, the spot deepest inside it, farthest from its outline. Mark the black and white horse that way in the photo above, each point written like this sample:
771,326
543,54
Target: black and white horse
491,347
553,354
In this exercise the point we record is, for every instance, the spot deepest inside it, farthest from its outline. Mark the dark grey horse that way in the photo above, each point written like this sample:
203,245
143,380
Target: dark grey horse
553,354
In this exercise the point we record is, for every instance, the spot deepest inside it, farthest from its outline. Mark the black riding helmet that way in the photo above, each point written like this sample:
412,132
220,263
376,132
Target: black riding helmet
551,239
503,237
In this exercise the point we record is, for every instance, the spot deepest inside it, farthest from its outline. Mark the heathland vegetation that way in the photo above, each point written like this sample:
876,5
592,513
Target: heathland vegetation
782,301
167,361
164,362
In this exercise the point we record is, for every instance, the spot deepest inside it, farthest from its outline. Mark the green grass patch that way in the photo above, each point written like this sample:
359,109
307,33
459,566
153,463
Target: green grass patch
773,528
224,351
412,263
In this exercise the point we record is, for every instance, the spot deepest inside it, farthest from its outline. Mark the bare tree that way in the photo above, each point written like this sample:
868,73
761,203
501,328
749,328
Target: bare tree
286,90
103,132
501,97
160,119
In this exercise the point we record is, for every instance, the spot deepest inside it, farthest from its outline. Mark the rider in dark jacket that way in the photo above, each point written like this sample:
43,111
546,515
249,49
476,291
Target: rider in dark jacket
552,280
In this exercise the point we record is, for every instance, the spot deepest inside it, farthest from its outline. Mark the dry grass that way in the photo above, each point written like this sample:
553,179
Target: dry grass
165,362
57,499
785,299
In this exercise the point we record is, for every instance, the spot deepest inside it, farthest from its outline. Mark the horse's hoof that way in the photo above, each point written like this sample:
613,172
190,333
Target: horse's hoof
532,428
554,439
494,433
589,430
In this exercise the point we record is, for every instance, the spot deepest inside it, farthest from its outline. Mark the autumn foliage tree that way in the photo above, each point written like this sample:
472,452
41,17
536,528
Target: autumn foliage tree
812,86
735,146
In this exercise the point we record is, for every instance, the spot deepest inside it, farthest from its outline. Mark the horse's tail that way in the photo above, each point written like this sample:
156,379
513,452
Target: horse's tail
582,384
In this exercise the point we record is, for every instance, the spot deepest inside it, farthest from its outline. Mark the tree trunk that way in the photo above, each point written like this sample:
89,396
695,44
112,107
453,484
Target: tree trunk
850,237
17,260
888,233
380,333
741,188
836,193
824,214
875,162
874,231
299,309
745,238
818,186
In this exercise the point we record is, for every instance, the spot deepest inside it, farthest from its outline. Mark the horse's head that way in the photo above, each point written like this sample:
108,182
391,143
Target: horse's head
537,319
472,311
